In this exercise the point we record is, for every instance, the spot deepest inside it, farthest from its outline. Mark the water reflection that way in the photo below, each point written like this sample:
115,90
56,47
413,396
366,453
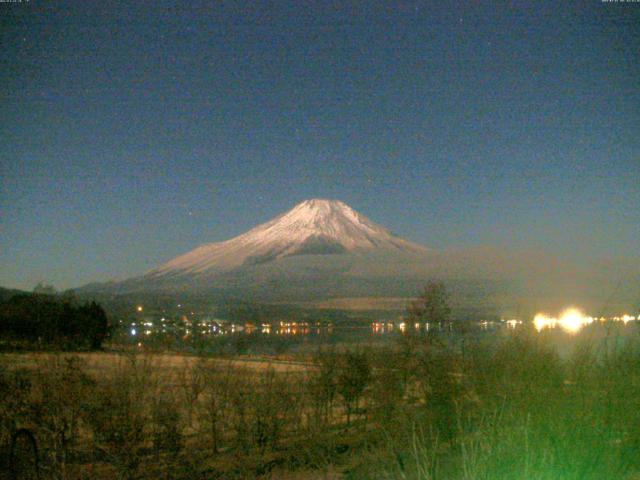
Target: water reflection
572,320
382,327
513,323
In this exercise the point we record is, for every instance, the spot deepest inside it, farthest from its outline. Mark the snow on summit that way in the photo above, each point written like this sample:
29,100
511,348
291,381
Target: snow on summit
313,227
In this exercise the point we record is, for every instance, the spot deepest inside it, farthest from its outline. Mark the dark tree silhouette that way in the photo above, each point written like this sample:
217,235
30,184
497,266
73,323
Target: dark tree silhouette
50,321
432,305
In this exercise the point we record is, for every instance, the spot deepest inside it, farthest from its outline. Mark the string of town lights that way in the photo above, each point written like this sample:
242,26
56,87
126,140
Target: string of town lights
571,320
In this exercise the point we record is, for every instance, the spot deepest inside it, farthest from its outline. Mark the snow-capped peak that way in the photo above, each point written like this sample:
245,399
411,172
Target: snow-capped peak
315,226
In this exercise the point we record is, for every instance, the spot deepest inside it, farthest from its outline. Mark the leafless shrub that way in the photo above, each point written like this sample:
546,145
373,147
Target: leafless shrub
354,375
323,385
15,388
215,401
59,396
192,383
119,413
166,431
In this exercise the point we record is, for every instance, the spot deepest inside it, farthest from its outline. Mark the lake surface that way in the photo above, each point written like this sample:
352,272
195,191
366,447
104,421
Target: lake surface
563,335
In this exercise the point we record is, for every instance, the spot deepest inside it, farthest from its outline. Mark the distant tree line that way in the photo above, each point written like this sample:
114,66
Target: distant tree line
51,321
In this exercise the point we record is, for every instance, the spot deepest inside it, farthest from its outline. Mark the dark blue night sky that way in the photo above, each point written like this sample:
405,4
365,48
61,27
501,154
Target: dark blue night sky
133,131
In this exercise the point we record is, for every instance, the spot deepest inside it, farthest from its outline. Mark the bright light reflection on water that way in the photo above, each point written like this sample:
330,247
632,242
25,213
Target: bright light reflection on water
571,320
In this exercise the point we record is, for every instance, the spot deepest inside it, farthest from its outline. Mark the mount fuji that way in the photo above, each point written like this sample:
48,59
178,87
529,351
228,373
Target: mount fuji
318,249
313,227
323,250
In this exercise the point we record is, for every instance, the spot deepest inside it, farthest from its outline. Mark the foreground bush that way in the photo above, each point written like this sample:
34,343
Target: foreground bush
509,409
517,410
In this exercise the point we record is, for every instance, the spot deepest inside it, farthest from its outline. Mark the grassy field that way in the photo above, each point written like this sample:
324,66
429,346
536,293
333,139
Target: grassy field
419,408
100,363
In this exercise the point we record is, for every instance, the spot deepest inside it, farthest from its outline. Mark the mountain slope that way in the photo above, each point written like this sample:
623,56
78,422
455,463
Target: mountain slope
313,227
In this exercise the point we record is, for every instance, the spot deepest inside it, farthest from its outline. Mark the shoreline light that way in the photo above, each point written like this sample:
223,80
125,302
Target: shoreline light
571,320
